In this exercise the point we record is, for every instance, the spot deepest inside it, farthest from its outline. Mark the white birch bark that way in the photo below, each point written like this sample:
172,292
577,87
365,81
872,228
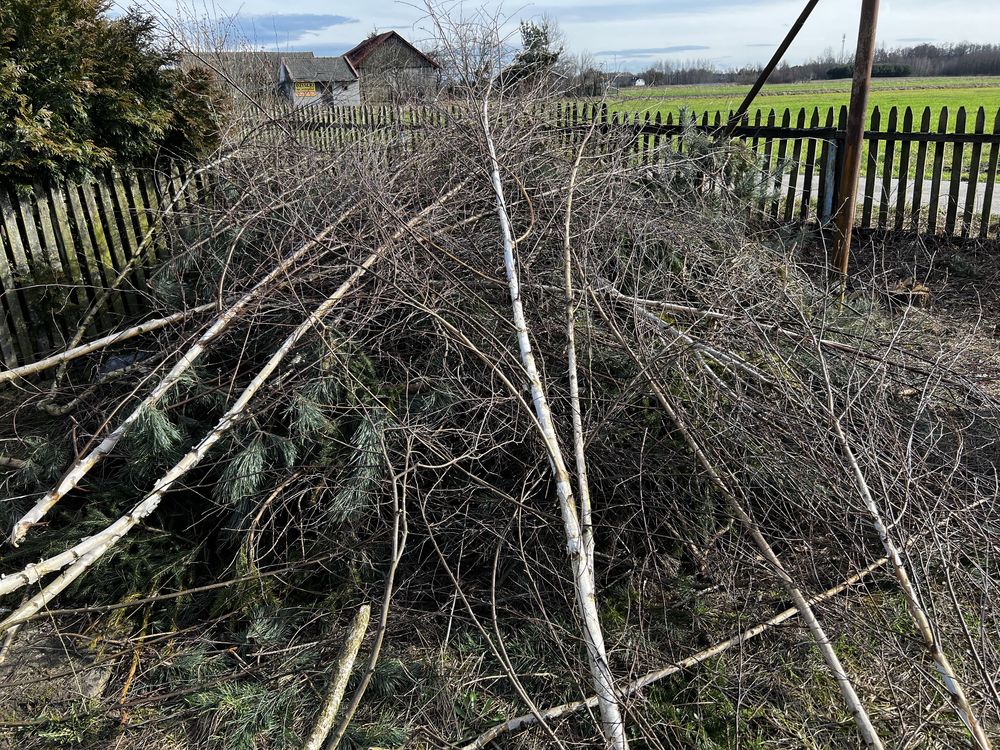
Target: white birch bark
959,700
865,728
611,719
87,552
579,447
92,346
335,693
75,474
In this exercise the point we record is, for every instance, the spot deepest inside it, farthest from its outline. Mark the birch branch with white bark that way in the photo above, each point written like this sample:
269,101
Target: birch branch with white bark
75,474
611,719
960,701
83,555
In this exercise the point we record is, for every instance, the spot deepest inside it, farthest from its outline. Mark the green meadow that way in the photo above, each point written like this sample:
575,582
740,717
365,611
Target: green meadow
916,93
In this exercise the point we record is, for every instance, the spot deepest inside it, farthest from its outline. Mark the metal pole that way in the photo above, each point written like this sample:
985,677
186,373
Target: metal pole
771,65
857,116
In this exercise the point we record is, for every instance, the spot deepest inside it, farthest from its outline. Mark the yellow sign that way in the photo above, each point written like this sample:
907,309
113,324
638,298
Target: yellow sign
305,88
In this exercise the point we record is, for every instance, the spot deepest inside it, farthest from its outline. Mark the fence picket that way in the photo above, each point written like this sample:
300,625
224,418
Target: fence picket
827,174
888,175
780,165
12,271
955,184
101,244
918,179
793,174
991,177
871,171
768,175
42,272
934,206
810,169
118,204
67,248
109,218
904,170
974,163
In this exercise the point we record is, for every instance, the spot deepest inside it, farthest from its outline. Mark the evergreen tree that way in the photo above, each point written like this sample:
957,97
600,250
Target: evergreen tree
80,90
538,56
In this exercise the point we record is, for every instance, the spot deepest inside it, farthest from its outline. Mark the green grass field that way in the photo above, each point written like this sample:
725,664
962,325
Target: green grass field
916,93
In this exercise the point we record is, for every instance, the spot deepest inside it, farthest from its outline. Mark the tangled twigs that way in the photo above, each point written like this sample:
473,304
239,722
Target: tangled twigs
521,723
725,486
75,474
932,642
82,556
536,341
101,343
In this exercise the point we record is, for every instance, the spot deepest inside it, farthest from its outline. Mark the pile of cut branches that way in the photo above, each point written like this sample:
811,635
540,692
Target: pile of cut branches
604,461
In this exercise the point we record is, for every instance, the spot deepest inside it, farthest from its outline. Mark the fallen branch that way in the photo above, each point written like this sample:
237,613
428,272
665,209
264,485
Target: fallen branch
583,575
80,557
399,534
960,702
342,672
75,474
526,721
7,462
105,341
725,486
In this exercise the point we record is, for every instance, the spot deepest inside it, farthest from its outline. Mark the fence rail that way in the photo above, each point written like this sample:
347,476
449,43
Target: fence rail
65,245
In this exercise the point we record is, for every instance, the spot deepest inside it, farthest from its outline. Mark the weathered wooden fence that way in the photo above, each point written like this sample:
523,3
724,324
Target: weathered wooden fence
64,244
918,174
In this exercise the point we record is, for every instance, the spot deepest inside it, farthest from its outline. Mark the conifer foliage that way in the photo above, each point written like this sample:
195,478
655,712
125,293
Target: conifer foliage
81,90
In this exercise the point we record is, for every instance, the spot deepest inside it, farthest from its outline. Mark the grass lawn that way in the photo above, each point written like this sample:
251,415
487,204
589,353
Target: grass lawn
917,93
971,92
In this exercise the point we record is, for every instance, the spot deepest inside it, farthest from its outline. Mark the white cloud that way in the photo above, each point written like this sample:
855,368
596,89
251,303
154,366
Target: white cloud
732,32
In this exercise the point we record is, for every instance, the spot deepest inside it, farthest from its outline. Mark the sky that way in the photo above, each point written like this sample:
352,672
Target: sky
629,34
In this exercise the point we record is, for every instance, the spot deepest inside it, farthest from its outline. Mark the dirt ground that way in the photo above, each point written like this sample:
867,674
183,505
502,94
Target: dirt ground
958,281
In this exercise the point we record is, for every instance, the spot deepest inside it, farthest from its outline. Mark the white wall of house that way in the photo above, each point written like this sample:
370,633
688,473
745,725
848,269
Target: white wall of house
342,93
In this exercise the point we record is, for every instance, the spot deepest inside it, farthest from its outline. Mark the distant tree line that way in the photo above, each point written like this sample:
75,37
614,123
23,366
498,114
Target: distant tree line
962,59
879,70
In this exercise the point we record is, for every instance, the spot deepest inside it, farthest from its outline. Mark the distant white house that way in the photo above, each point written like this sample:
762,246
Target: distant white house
640,81
307,81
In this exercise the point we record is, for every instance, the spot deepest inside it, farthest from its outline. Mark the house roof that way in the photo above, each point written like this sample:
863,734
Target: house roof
229,61
320,69
358,54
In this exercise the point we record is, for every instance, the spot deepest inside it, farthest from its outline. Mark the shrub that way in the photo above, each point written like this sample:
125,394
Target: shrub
80,90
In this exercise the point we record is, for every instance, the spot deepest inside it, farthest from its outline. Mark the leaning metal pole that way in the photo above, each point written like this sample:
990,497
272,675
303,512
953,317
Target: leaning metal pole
847,195
779,53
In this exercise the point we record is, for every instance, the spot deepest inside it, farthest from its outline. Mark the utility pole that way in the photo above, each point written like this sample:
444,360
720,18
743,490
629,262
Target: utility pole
847,195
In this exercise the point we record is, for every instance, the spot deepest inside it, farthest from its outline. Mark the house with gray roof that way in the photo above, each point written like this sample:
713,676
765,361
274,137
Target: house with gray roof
308,81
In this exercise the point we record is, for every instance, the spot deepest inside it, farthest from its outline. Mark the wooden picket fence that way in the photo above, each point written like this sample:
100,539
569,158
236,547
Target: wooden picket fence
921,172
65,243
